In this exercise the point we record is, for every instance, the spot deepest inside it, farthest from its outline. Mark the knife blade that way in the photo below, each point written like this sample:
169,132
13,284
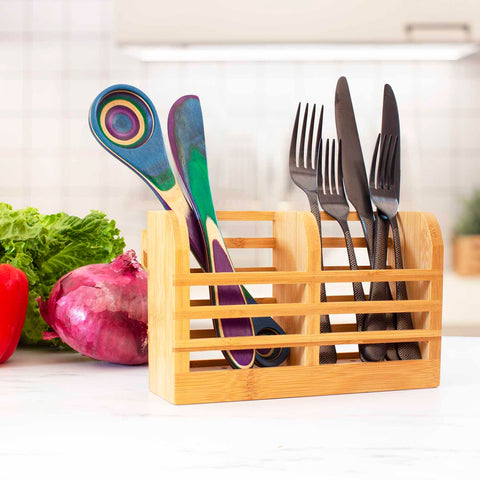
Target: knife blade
391,126
355,176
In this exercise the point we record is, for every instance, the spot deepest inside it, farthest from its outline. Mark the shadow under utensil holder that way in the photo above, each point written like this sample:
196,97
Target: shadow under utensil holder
295,277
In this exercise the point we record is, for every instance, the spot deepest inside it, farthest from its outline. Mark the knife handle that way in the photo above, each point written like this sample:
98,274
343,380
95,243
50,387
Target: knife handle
358,293
406,351
368,226
378,291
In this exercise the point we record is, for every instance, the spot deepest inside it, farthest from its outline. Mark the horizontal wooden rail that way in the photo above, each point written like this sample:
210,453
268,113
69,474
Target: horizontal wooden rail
269,300
248,216
253,216
273,269
221,362
299,340
339,267
250,242
269,242
296,309
210,333
206,301
289,278
245,269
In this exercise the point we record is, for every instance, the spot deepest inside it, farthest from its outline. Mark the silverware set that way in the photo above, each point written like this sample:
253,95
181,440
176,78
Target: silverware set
332,172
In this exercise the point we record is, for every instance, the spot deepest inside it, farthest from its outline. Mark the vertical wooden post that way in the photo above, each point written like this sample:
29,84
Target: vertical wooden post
436,286
167,256
422,247
298,249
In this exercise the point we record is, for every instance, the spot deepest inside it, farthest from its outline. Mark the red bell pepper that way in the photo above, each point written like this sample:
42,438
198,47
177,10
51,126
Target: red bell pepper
13,308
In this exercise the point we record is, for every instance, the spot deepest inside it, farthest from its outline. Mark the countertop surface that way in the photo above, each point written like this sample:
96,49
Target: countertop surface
64,414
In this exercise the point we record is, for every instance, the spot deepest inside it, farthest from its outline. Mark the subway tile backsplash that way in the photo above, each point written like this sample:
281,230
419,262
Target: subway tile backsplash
56,55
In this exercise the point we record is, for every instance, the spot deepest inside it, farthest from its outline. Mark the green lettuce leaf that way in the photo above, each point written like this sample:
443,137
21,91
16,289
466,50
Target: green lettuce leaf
46,247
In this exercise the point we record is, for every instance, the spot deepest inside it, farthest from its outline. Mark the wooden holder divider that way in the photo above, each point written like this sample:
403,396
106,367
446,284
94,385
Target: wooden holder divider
295,277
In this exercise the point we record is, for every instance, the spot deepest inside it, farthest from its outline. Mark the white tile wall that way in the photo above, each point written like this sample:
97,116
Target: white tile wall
56,55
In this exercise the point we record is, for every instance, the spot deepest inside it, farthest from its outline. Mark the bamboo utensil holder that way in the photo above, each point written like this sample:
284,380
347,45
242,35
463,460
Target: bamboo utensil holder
295,277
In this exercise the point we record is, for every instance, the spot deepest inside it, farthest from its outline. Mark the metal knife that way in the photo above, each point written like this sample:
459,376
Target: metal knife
355,176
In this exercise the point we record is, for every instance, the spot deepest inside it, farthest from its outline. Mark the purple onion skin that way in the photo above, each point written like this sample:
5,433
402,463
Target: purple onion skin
101,310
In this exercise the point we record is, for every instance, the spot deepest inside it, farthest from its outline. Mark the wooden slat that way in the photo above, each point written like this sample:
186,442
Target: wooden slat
348,356
269,242
302,340
202,333
250,242
288,309
343,298
343,267
339,242
214,362
343,327
205,301
242,269
289,278
250,216
241,216
210,333
300,381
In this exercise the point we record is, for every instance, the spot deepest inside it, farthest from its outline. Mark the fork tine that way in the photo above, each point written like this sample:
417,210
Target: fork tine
332,169
373,168
396,168
327,167
319,129
301,155
341,188
320,188
310,139
293,145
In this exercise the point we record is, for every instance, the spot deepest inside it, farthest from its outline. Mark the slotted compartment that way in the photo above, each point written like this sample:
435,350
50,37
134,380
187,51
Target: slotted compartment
184,365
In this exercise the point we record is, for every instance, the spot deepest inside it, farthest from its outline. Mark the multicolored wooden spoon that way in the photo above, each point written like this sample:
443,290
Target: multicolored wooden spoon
187,141
125,122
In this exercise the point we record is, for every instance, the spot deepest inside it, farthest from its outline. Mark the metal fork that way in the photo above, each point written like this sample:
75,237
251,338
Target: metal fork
385,194
303,174
332,197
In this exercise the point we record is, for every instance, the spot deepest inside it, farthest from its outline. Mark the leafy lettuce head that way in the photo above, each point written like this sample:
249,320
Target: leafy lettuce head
46,247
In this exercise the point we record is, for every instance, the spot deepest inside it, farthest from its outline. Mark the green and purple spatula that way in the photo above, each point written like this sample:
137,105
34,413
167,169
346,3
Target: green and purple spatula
125,122
187,142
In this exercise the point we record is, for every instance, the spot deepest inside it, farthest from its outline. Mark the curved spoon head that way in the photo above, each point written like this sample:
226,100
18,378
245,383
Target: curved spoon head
125,122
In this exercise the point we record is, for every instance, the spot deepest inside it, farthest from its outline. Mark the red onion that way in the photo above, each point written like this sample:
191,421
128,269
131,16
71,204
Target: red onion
100,310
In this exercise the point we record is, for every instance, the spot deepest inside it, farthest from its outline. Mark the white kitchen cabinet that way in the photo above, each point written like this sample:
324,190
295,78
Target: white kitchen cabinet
314,21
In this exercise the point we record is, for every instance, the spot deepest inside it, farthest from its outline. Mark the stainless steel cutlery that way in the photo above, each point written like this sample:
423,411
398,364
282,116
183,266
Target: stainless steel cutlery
341,176
303,174
332,198
385,192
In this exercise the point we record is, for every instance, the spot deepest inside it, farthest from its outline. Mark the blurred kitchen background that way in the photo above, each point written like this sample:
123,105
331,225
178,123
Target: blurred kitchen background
57,55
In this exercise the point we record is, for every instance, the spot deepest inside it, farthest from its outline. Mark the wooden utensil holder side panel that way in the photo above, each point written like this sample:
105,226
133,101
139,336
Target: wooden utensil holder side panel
295,276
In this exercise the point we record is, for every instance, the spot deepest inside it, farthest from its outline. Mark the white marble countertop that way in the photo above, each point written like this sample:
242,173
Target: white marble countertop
63,414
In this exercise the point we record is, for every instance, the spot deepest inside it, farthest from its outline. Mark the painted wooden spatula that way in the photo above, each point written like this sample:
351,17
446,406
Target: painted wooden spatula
187,141
125,122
